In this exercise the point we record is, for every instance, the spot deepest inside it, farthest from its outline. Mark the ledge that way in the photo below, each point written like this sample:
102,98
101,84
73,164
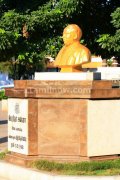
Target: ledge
63,89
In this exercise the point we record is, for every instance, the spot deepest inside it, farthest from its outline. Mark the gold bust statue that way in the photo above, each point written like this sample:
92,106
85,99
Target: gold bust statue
73,54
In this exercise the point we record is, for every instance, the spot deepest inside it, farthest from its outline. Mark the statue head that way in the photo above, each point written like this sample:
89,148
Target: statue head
71,33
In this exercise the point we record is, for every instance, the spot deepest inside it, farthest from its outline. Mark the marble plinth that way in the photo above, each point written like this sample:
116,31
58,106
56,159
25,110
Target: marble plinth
66,120
102,73
107,73
67,76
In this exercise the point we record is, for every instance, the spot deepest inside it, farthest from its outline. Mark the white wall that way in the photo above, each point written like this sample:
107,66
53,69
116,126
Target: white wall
103,127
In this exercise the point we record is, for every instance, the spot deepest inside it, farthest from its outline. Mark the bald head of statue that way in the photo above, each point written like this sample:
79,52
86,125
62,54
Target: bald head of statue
73,53
71,33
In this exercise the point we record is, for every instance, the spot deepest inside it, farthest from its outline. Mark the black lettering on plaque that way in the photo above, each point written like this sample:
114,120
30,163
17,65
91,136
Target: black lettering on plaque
13,118
13,128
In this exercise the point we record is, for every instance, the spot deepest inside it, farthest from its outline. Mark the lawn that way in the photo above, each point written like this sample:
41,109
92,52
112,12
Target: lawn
2,155
99,168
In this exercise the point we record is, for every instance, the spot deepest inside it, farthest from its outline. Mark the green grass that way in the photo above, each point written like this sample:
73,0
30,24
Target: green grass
2,95
2,155
83,168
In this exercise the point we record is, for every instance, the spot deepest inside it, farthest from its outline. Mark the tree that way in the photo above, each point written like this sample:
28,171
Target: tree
95,20
31,30
112,42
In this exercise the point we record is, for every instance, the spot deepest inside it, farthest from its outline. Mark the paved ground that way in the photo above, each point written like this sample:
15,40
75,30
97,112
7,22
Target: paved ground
3,131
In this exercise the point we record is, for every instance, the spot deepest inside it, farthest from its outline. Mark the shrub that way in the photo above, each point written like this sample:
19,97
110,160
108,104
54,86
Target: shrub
2,95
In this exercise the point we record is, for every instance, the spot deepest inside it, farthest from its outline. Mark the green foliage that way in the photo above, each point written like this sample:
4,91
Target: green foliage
112,42
2,95
44,21
53,45
4,66
116,18
110,62
2,155
82,168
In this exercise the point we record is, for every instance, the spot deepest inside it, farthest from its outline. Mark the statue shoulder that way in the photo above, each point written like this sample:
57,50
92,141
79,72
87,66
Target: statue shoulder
82,54
84,48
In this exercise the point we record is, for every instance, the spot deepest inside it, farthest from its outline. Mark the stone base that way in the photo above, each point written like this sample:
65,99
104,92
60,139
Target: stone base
20,159
108,73
71,69
67,76
104,158
26,161
78,123
92,65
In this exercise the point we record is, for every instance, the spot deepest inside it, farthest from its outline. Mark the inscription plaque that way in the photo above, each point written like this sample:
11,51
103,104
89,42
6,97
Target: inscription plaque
18,125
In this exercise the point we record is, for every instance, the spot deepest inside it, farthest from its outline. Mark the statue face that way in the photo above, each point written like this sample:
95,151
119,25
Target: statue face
69,35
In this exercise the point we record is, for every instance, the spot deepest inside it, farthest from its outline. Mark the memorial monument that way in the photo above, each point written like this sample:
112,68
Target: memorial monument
73,54
67,118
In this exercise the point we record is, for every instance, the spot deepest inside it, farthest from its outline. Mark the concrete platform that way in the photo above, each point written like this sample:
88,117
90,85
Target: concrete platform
76,76
92,73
